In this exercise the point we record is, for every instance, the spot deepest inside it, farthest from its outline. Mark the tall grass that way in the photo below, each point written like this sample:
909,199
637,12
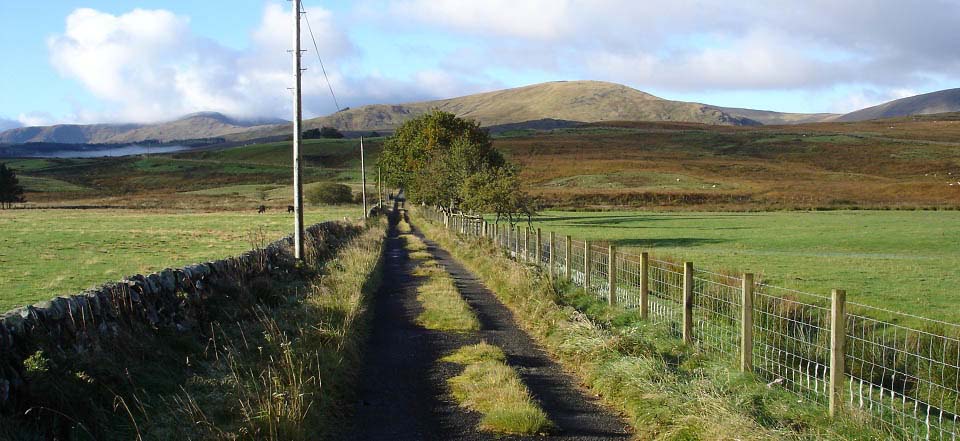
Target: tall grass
667,390
275,359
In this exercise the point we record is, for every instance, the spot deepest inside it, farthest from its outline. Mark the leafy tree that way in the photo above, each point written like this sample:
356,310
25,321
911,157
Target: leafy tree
432,155
323,132
10,190
329,193
497,190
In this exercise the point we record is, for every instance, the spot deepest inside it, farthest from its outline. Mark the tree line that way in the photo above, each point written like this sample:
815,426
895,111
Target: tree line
450,163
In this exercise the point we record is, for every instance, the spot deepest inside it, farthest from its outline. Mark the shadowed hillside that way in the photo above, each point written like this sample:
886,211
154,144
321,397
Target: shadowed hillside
926,104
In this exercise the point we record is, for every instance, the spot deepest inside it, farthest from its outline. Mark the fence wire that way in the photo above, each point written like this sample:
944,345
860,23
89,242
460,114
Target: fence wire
666,292
792,340
717,304
628,280
908,378
901,370
599,275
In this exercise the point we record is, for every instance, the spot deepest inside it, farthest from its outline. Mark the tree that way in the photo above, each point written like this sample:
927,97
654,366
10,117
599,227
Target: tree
10,190
497,190
323,132
330,132
431,156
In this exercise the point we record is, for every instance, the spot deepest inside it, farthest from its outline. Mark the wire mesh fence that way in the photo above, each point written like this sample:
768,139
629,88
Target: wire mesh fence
599,263
906,376
901,370
628,280
717,306
666,291
791,335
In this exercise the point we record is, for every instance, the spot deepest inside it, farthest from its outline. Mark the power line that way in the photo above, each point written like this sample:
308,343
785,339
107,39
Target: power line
322,68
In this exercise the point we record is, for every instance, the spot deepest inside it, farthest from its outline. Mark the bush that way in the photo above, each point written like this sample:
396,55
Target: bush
329,193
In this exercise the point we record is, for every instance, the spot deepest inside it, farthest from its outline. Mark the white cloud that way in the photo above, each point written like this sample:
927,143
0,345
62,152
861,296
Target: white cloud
869,97
536,19
709,45
149,65
35,119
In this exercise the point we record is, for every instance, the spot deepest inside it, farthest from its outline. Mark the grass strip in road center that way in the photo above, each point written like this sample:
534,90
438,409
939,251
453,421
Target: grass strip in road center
490,387
443,307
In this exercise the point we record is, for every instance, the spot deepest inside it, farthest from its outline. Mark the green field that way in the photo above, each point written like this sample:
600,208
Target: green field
902,260
45,253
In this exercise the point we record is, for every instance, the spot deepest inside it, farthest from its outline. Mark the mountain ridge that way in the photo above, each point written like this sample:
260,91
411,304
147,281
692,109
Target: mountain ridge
582,101
943,101
193,126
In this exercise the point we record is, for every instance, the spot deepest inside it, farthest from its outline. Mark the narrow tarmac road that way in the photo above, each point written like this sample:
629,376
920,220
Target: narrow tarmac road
403,393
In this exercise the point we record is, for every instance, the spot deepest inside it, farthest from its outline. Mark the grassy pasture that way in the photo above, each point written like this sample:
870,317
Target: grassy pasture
241,176
45,253
902,260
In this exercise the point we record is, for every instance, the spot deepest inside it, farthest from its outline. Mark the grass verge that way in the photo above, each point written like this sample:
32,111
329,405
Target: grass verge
276,361
490,387
667,390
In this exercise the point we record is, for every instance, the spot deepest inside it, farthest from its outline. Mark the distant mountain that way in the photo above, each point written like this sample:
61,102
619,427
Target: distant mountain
554,104
583,101
929,103
769,118
194,126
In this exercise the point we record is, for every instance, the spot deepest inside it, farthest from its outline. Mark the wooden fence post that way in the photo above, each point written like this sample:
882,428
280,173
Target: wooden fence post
612,274
687,302
496,234
838,334
644,285
526,244
746,325
586,265
539,252
553,255
517,245
568,248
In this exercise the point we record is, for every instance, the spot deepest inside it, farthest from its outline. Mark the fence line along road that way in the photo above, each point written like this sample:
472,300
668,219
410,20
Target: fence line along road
900,369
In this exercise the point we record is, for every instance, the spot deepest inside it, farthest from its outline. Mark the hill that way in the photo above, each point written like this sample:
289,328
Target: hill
194,126
929,103
582,101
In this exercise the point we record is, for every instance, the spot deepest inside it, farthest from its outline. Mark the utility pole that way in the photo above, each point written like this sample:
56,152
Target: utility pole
363,176
379,190
297,121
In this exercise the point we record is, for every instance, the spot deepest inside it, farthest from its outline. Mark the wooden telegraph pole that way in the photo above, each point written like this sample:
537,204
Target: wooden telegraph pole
297,121
363,177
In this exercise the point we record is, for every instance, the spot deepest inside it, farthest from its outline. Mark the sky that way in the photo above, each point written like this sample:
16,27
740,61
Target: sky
146,61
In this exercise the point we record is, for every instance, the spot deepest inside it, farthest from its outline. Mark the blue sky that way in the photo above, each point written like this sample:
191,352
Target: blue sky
108,61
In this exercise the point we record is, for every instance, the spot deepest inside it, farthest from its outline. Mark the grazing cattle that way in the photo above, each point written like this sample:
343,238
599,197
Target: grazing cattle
262,209
291,209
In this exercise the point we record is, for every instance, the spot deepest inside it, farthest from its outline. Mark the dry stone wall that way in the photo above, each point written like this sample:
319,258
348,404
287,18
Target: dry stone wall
172,300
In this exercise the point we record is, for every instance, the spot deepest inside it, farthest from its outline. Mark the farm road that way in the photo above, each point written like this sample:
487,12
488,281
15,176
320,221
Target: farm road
403,393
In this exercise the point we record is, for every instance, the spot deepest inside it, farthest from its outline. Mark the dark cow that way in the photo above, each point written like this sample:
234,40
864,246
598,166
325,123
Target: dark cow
290,209
262,209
